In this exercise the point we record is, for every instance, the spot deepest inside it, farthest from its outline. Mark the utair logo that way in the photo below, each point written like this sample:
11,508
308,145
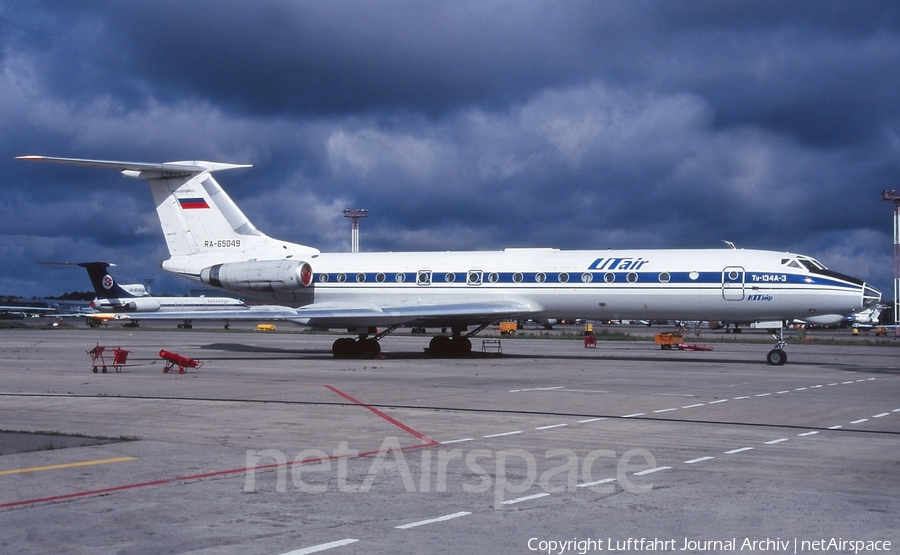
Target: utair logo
617,264
107,281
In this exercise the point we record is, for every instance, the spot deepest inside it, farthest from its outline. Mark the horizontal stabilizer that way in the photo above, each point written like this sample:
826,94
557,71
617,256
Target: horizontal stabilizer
190,167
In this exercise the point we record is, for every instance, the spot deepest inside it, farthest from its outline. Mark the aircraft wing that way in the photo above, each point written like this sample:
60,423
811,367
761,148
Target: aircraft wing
339,315
264,312
343,316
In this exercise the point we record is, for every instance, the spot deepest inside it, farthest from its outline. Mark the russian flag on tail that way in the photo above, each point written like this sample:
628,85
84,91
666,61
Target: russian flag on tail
192,203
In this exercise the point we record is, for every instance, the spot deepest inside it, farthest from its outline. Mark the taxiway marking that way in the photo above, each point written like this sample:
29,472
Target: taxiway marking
432,520
322,547
66,465
526,498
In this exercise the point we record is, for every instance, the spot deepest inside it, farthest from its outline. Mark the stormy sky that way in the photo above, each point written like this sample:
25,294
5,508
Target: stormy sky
460,125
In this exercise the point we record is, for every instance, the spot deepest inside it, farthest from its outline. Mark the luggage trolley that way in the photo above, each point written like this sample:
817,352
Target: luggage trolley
100,355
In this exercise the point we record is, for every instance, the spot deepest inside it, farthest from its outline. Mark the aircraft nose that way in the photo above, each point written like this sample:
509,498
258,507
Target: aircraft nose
871,296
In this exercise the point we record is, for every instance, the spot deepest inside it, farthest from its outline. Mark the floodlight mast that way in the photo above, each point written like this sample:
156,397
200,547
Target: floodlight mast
894,196
355,214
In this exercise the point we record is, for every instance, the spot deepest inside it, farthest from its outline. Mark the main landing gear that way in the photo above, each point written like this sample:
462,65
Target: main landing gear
459,344
366,346
777,356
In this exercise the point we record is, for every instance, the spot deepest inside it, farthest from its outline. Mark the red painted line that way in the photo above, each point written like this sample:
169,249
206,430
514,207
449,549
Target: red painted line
220,473
393,421
84,493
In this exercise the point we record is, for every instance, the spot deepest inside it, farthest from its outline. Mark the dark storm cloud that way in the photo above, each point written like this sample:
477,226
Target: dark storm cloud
460,125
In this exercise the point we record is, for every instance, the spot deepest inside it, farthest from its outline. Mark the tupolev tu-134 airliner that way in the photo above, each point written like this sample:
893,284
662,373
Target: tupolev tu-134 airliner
211,240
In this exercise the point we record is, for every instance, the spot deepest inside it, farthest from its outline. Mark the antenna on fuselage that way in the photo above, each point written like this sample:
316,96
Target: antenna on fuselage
729,243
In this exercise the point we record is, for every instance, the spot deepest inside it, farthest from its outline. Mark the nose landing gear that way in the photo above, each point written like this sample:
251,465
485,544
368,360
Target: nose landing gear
777,356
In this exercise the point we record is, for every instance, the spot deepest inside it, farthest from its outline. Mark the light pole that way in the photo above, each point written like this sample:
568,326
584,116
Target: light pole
355,214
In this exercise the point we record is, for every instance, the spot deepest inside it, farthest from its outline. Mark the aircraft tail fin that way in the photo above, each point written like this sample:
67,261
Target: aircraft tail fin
201,224
105,286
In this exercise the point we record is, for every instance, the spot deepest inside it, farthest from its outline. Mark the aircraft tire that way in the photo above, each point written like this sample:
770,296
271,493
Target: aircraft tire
776,357
461,346
344,347
368,348
440,346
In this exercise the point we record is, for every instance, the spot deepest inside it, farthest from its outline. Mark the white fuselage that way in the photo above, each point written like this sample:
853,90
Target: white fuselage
166,304
720,284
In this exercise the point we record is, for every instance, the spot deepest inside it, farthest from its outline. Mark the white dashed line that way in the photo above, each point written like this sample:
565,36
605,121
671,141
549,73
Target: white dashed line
719,401
835,383
457,440
845,383
800,389
763,394
701,459
597,483
741,398
774,441
860,421
896,410
835,427
590,420
881,415
742,449
816,386
807,434
651,470
503,434
536,389
633,415
693,406
663,410
432,520
551,426
782,392
526,498
322,547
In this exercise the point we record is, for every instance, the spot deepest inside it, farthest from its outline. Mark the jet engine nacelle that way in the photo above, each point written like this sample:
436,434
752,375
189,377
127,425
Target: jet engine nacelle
260,276
142,305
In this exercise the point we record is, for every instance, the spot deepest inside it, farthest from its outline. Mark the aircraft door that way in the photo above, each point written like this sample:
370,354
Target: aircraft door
733,283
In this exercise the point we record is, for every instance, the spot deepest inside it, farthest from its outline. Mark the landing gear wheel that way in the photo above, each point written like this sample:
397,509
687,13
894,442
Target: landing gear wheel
776,357
461,346
347,347
439,346
368,348
344,347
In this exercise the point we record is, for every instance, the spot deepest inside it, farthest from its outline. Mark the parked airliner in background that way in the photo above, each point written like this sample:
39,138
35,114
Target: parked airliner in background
212,241
114,299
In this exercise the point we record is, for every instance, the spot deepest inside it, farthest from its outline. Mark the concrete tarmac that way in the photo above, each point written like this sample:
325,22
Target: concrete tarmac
274,447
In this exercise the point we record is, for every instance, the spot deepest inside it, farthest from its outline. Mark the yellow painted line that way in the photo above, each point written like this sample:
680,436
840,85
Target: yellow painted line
67,465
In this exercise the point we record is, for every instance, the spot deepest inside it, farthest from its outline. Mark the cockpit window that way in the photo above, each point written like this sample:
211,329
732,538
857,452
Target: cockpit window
803,262
811,264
